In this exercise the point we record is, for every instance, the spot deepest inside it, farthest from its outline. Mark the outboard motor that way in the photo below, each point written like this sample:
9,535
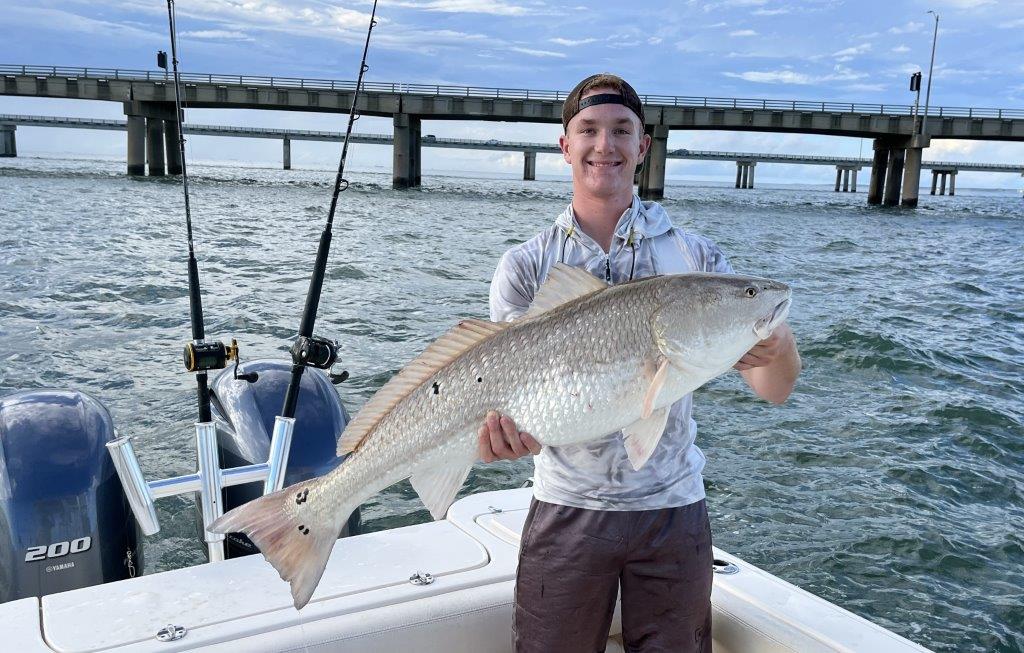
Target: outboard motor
64,520
244,412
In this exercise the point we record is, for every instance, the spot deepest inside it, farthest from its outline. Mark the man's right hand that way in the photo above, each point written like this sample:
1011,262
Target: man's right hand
501,440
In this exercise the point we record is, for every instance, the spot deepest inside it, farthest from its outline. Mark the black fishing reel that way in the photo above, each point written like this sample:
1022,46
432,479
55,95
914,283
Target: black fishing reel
317,352
204,356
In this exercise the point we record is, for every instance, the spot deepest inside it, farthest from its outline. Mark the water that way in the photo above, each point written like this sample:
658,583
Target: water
890,484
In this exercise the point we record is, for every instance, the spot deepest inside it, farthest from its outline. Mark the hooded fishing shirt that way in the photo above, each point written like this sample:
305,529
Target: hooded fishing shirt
597,474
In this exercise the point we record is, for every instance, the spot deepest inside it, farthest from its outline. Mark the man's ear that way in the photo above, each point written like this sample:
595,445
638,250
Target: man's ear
563,143
645,145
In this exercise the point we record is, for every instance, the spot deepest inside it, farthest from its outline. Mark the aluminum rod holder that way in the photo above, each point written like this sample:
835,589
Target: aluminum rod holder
135,487
280,445
209,495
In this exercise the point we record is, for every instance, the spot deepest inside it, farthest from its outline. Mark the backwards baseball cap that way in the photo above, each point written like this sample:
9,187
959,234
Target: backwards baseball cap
626,96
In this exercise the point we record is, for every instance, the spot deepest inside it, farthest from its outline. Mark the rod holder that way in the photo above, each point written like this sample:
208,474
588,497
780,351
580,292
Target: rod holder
208,481
280,446
134,483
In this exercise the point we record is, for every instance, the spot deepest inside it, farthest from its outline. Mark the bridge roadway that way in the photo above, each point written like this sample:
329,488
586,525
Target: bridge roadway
846,167
148,95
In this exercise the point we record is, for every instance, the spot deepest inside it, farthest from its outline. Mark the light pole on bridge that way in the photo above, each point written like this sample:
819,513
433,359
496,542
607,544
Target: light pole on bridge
928,93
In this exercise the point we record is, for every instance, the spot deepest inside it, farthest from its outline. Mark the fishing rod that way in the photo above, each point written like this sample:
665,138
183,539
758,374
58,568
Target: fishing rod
200,356
309,350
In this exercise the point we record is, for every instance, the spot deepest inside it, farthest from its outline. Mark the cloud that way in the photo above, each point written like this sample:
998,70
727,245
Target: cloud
848,54
571,43
909,28
217,34
492,7
772,12
40,18
721,24
538,53
786,76
1011,24
743,32
870,88
901,49
654,40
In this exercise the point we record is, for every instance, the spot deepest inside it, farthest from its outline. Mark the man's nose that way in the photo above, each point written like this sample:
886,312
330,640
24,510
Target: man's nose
604,141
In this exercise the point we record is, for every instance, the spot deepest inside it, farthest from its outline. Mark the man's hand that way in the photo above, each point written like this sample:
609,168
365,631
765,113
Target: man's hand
766,351
500,440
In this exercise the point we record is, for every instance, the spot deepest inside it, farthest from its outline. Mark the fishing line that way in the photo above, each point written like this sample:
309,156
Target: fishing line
307,349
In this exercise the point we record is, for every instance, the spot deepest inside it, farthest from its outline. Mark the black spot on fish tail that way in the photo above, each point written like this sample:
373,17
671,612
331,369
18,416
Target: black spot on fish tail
300,498
437,388
303,529
479,379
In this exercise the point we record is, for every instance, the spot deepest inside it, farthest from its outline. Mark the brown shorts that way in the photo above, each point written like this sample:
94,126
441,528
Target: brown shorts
573,560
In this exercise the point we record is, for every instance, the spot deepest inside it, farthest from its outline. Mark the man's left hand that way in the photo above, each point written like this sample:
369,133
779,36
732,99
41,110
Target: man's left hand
767,350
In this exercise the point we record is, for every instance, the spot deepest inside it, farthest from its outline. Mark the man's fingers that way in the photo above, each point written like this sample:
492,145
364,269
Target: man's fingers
508,428
484,445
499,445
532,445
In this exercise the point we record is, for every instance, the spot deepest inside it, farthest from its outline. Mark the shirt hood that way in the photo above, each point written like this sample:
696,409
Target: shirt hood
644,219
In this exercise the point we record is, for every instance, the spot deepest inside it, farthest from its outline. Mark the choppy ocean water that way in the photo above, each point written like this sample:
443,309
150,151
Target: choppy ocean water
892,483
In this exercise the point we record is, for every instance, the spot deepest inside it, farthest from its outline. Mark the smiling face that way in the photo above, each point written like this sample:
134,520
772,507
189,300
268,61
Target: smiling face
604,143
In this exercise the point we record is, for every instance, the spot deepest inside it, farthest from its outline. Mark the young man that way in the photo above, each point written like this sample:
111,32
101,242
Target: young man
595,523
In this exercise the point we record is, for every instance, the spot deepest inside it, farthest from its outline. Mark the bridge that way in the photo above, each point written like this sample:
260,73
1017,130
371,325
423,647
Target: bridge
745,161
147,98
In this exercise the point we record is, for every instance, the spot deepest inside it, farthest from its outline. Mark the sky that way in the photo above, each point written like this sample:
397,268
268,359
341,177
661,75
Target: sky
853,51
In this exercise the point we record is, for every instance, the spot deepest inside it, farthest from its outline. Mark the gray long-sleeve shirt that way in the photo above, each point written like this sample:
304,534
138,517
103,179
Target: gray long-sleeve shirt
597,474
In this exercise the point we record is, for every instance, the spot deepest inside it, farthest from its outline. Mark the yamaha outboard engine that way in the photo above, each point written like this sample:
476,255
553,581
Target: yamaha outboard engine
244,413
64,520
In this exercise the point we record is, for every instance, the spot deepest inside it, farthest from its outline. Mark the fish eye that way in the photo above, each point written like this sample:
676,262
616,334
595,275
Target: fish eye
751,291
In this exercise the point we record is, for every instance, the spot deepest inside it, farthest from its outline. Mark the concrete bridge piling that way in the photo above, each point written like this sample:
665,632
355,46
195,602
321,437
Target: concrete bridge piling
848,176
529,166
406,160
286,154
172,146
136,146
155,147
937,173
745,174
8,145
652,180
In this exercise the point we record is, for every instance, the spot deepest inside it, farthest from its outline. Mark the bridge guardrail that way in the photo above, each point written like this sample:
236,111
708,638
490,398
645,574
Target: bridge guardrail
503,93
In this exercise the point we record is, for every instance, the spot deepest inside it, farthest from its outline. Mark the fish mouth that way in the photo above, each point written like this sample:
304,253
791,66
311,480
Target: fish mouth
764,327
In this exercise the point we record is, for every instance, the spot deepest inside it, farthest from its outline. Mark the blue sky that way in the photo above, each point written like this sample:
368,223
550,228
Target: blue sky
813,50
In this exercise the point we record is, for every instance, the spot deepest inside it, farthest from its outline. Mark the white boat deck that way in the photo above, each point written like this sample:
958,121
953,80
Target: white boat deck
366,603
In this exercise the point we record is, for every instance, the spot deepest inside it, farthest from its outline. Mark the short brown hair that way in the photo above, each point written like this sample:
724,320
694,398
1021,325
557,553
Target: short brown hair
602,80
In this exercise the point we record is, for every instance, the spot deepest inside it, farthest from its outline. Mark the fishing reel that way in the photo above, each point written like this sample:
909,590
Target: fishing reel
317,352
203,356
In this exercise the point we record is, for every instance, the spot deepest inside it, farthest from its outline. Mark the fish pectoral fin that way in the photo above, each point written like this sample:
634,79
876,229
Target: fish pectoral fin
438,486
563,284
657,381
641,437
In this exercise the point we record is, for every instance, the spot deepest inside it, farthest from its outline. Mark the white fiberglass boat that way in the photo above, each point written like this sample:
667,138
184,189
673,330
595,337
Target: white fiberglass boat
441,587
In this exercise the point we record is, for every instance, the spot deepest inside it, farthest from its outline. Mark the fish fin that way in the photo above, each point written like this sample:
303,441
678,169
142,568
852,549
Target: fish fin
288,535
641,437
657,381
438,486
465,335
564,284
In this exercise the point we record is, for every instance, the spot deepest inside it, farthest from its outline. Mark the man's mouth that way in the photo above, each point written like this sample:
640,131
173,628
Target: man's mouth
604,164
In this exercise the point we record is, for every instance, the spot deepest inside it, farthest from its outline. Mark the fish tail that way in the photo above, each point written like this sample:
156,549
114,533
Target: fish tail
288,534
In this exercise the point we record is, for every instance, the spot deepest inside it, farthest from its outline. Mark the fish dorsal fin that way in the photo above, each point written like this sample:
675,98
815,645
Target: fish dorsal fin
564,284
436,356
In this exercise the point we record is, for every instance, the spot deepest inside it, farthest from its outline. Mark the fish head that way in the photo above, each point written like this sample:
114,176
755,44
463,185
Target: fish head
710,320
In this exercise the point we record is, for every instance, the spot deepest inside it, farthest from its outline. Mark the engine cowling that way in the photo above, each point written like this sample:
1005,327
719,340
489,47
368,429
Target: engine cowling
64,520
